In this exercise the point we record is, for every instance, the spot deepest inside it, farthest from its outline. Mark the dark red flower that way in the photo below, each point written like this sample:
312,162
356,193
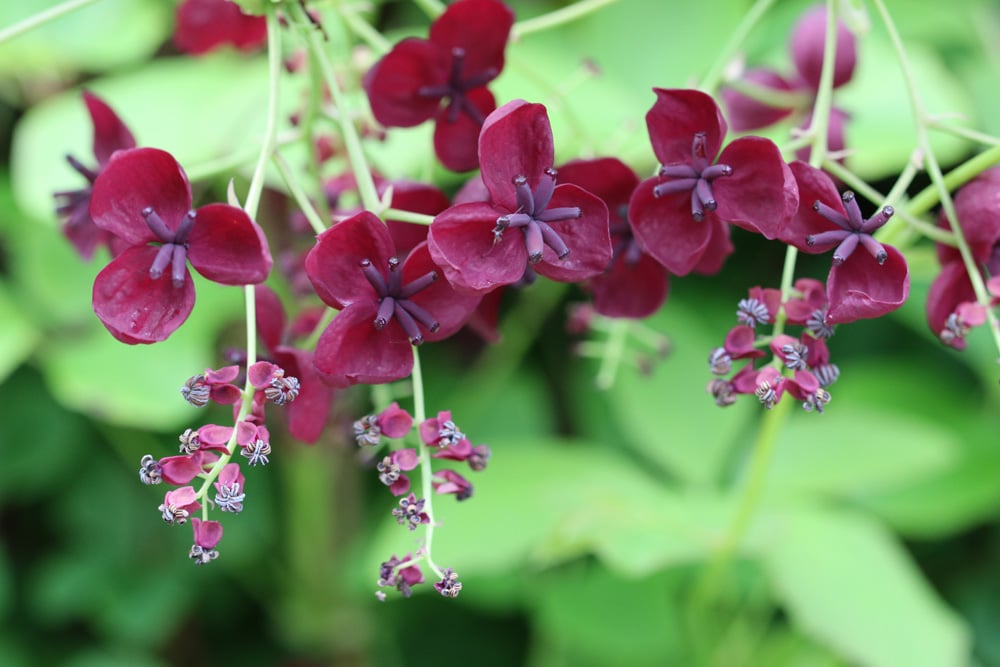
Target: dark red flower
307,414
681,215
444,77
868,283
143,197
205,25
561,230
952,307
385,305
73,206
634,284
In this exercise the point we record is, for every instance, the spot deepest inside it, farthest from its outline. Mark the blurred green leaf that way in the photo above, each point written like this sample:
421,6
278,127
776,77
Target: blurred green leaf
851,450
845,581
666,415
101,36
18,335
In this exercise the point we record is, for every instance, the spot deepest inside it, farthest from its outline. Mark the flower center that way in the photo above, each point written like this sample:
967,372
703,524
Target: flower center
173,252
456,88
695,177
394,300
533,218
623,243
853,229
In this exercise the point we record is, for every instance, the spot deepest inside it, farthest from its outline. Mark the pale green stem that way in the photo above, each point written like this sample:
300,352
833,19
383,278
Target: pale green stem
824,95
315,221
426,472
737,37
352,142
760,462
363,29
558,17
433,8
929,197
780,99
937,177
612,353
964,133
270,130
228,163
41,18
407,216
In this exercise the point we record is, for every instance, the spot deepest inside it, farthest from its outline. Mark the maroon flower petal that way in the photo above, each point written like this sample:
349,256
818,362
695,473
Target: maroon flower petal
205,25
609,178
481,28
136,308
630,290
761,195
270,316
813,185
110,133
587,237
455,143
516,140
418,198
950,288
676,116
451,309
718,249
394,82
861,288
307,414
977,206
334,263
460,241
132,180
745,113
226,246
664,227
352,351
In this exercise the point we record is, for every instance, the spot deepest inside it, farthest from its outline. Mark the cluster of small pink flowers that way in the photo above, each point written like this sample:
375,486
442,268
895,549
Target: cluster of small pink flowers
805,358
205,452
440,438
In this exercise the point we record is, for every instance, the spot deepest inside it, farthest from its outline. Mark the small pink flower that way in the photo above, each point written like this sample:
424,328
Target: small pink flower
178,504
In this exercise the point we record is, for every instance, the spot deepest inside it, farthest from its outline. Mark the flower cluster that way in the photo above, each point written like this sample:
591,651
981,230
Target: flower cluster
206,452
438,438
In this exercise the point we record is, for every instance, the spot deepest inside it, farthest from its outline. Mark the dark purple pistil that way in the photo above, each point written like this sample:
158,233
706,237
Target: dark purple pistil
394,300
74,203
173,252
853,229
456,88
623,243
695,177
533,217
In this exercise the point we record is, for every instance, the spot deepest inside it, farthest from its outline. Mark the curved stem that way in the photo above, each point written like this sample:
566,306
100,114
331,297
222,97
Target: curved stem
41,18
558,17
270,130
713,78
930,196
426,472
612,352
315,221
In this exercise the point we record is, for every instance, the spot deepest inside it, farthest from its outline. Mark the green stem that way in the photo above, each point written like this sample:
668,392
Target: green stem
558,17
760,462
964,133
407,216
929,197
713,78
352,142
433,8
937,177
426,472
363,29
780,99
820,124
270,130
315,221
612,353
42,18
226,164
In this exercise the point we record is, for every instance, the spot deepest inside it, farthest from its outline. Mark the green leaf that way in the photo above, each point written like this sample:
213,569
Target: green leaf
18,336
667,415
101,36
845,581
852,450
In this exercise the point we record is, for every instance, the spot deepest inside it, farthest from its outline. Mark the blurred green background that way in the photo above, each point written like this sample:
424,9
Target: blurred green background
877,542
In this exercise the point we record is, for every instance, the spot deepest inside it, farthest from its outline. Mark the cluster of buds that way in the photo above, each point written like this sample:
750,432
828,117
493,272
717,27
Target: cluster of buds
439,438
799,366
205,452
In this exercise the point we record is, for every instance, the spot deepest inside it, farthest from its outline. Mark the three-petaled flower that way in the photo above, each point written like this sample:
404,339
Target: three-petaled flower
143,197
868,278
681,215
444,77
385,305
560,230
